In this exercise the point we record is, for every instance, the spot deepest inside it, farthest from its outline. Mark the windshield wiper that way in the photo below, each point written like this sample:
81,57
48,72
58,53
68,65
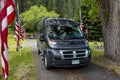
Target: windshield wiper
76,37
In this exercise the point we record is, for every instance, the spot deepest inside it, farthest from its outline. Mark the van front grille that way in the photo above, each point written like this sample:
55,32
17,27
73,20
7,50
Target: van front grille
73,54
80,55
80,51
68,52
68,56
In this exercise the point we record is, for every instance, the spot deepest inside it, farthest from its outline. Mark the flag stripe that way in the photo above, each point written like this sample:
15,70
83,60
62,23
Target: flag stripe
10,9
3,10
2,4
6,52
4,23
10,19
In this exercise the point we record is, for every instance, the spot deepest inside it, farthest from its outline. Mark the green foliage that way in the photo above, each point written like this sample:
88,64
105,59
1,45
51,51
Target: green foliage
91,18
58,6
95,52
31,17
67,9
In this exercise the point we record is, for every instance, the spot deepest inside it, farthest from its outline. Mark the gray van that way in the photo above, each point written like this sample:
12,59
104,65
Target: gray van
61,43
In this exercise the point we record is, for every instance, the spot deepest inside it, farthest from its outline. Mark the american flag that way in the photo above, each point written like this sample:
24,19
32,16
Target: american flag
23,33
17,29
7,15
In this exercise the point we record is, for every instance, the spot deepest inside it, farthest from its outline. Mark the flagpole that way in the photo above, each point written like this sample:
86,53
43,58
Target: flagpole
19,32
80,13
19,46
0,26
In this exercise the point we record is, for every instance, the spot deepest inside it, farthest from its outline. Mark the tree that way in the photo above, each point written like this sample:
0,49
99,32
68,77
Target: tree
32,17
58,7
23,5
110,17
90,16
70,9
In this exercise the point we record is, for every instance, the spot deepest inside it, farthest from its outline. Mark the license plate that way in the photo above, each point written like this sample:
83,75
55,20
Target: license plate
75,62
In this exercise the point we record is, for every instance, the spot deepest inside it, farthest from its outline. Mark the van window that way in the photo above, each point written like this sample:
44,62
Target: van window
64,32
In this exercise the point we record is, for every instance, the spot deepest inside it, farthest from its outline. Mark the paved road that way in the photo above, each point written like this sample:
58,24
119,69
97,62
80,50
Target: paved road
91,72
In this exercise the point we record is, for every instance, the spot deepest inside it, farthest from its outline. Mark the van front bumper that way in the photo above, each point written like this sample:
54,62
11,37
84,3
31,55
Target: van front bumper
69,62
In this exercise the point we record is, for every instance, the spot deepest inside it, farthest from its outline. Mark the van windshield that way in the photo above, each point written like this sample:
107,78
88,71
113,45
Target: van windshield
65,32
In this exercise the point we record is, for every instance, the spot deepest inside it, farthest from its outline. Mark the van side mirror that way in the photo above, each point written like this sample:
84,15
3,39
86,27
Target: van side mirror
42,37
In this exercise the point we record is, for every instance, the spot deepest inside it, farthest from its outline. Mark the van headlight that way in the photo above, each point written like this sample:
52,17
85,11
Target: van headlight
86,43
88,52
52,44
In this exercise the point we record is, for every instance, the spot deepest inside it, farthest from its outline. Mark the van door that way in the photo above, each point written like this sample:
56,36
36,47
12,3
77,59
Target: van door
43,41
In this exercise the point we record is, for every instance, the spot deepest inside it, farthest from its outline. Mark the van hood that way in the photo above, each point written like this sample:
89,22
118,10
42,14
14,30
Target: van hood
69,44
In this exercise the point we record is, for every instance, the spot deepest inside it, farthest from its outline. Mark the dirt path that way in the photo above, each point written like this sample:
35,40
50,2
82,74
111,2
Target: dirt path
92,72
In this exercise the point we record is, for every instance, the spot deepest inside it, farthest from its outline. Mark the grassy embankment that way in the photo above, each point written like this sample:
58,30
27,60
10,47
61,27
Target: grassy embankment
20,67
99,59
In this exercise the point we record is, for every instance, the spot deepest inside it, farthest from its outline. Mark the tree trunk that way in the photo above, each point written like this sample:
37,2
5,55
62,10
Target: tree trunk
110,18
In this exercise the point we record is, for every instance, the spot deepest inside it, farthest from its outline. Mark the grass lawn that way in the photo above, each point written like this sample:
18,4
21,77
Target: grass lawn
99,59
20,67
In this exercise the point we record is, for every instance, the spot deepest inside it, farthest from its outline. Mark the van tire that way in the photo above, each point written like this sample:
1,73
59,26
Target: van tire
39,51
47,62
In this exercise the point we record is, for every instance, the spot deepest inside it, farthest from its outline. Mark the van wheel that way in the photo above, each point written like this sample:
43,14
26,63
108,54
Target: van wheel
39,51
47,63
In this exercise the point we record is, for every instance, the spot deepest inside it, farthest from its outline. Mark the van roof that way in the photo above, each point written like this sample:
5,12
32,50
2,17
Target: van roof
59,21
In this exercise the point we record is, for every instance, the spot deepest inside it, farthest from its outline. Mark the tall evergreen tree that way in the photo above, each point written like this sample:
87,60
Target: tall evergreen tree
70,8
58,7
